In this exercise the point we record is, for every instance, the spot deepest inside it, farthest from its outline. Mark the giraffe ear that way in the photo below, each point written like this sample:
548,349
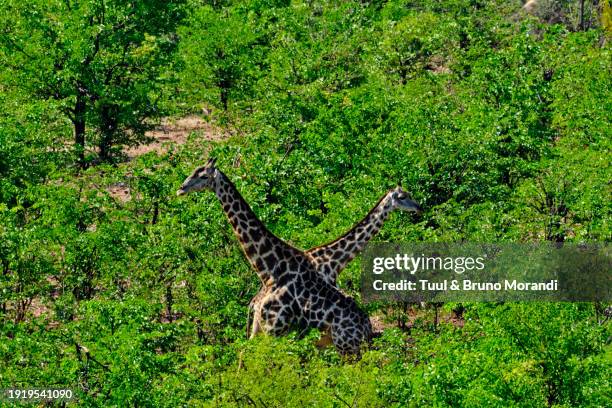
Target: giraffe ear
211,162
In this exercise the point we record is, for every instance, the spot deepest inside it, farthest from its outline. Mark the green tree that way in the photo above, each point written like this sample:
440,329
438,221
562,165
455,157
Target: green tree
100,59
409,45
222,55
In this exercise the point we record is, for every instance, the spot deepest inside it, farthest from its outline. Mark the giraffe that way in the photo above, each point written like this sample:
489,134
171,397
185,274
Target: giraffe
297,295
331,258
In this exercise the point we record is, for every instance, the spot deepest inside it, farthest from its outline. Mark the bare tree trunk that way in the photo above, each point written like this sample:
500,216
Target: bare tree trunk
108,128
5,272
22,307
78,121
224,81
581,15
224,85
155,212
169,301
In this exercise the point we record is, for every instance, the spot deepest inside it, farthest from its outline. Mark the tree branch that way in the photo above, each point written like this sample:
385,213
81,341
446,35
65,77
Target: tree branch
16,46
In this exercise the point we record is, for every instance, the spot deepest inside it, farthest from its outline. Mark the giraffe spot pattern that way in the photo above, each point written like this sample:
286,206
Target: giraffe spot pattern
296,294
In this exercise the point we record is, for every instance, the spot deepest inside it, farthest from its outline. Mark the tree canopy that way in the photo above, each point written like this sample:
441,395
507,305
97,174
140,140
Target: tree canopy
495,118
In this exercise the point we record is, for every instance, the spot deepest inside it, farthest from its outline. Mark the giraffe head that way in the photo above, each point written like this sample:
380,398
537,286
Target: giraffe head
401,200
202,178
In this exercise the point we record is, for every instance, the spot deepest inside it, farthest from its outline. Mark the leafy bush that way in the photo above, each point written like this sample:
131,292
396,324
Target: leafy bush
495,122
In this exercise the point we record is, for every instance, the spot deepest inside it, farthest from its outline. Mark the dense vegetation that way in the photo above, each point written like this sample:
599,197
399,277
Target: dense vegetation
496,121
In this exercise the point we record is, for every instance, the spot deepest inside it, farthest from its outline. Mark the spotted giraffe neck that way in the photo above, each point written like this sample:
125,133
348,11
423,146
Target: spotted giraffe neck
331,258
258,243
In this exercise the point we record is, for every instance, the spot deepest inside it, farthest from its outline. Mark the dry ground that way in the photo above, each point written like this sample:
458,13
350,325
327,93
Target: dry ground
176,131
171,131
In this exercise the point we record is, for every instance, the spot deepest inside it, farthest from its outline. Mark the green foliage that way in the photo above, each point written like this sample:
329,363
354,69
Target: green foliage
111,285
99,60
223,55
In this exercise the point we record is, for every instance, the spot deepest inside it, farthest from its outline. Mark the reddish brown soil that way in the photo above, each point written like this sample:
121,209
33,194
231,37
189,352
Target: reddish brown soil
176,131
169,132
120,192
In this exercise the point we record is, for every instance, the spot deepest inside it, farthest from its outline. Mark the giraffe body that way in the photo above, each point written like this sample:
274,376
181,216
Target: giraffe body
331,258
310,302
